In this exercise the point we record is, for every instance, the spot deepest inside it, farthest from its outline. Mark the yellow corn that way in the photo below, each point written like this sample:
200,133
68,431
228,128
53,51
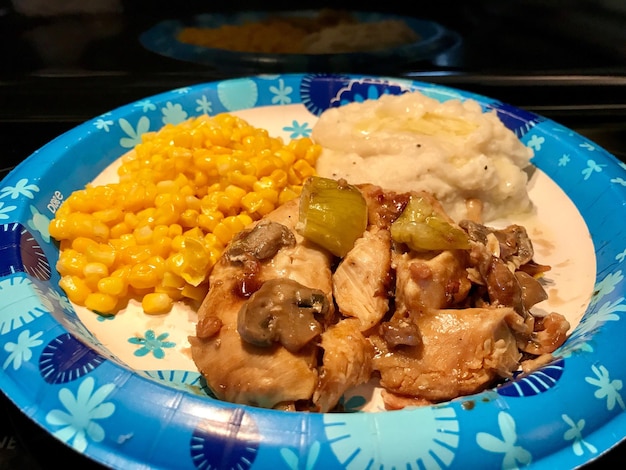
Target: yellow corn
113,285
75,288
100,302
156,302
182,194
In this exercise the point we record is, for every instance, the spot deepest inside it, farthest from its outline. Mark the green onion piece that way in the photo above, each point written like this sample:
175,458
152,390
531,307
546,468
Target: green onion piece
333,214
422,229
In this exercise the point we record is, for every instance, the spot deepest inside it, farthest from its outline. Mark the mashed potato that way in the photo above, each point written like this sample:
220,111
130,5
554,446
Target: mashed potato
412,142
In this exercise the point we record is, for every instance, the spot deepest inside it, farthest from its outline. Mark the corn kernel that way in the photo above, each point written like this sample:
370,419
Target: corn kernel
100,302
75,288
109,216
143,276
156,302
113,285
71,262
303,170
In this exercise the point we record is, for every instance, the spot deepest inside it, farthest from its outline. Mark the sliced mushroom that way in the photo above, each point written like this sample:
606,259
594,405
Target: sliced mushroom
260,243
283,311
532,290
515,245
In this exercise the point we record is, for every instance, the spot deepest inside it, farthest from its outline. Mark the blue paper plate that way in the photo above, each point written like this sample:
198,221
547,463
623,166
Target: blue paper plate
437,44
60,369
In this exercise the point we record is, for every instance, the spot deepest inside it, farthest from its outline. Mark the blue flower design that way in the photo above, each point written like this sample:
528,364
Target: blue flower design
607,285
281,93
592,167
609,311
102,317
22,188
204,105
102,124
372,92
298,130
21,351
39,223
5,210
51,299
621,256
564,160
588,146
25,307
151,343
62,300
173,113
514,455
575,433
607,388
535,142
78,423
145,105
134,135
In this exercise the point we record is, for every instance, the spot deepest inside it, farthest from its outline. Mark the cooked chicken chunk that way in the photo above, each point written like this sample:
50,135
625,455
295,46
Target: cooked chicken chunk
361,281
459,352
267,375
430,279
239,372
347,362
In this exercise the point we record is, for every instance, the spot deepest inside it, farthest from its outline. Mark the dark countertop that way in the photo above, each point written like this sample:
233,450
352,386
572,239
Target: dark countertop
565,60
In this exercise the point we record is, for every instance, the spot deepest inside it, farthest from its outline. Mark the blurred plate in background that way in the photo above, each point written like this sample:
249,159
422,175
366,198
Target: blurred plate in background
434,43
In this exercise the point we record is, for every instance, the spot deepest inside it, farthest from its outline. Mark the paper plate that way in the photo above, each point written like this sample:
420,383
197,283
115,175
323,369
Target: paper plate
122,390
437,44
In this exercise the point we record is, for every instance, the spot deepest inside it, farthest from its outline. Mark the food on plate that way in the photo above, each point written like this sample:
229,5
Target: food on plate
361,254
432,308
359,37
467,158
181,194
327,32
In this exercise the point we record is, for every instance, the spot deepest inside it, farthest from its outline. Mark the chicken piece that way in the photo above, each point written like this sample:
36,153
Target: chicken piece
361,281
430,279
267,375
239,372
458,352
347,362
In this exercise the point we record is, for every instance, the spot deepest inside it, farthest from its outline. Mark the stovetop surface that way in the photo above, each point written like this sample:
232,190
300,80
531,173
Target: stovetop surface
565,60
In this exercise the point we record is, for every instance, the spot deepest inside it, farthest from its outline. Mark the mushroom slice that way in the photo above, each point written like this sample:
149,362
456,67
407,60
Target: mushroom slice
282,311
261,242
